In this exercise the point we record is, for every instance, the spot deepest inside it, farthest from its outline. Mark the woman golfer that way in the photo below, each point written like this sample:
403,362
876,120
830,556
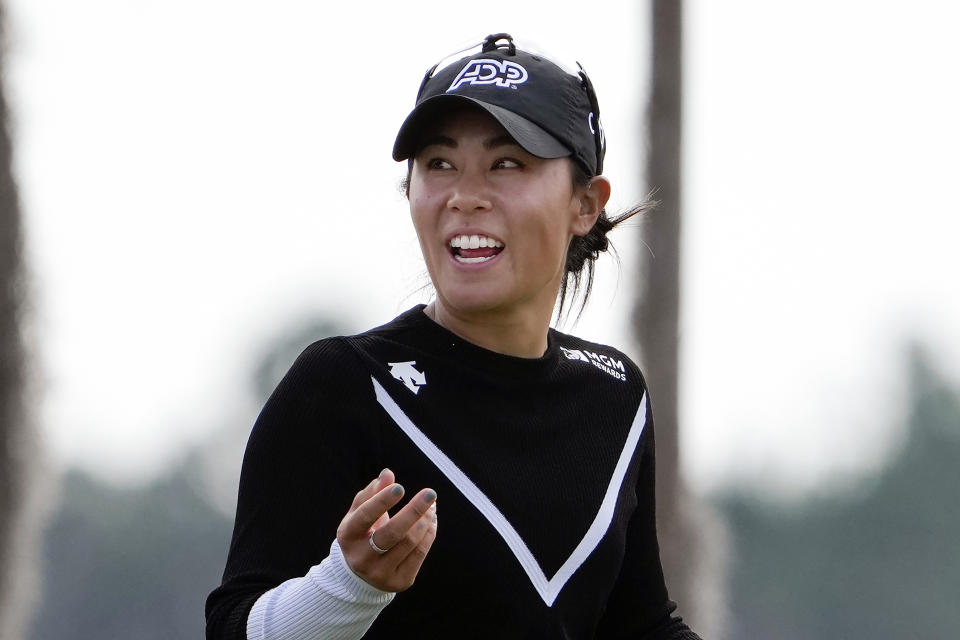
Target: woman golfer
538,445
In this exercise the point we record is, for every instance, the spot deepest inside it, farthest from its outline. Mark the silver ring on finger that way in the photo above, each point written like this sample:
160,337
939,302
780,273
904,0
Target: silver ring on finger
373,545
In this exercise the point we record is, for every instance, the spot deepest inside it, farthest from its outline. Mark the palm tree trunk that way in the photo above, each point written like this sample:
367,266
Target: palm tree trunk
692,537
19,517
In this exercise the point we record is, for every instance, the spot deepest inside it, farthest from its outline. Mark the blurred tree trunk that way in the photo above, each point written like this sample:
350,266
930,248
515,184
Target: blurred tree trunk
692,537
18,514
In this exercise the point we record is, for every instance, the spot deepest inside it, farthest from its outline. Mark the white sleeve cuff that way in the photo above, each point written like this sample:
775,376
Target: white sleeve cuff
331,601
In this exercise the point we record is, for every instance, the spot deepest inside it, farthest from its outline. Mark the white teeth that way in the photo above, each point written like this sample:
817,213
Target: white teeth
473,242
472,260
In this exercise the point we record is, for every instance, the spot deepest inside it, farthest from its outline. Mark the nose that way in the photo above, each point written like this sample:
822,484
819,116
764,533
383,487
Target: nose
469,193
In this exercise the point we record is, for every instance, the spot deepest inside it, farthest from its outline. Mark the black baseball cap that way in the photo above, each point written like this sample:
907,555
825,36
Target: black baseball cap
550,112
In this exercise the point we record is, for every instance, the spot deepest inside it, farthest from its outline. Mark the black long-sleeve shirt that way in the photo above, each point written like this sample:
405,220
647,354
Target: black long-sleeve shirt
544,470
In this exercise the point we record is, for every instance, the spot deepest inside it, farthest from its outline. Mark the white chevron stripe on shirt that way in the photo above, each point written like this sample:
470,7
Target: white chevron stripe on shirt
548,589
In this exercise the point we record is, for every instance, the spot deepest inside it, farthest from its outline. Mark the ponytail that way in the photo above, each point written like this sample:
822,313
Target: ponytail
584,250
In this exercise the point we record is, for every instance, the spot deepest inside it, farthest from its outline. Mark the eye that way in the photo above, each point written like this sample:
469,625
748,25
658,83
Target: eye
508,163
438,164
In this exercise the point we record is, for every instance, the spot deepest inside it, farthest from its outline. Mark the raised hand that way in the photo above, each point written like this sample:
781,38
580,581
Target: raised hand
387,551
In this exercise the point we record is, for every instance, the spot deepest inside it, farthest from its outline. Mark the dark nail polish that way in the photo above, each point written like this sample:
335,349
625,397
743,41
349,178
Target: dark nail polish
430,496
398,490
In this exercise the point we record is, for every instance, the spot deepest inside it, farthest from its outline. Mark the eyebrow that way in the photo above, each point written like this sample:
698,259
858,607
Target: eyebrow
447,141
500,141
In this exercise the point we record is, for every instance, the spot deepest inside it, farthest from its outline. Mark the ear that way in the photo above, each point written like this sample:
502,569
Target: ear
592,199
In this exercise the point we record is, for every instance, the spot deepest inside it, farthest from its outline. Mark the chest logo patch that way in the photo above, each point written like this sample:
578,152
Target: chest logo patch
406,373
610,366
548,588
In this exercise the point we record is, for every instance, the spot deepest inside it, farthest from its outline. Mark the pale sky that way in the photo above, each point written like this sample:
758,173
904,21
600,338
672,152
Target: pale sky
196,176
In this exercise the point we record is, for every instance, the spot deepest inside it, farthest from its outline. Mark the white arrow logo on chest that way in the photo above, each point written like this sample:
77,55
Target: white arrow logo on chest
405,373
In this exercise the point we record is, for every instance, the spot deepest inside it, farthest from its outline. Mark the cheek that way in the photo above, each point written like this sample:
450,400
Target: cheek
549,232
425,224
419,211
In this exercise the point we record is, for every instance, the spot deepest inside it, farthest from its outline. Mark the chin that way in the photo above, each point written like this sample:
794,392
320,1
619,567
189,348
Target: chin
475,301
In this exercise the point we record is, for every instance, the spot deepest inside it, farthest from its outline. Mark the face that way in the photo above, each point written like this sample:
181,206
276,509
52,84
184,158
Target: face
494,222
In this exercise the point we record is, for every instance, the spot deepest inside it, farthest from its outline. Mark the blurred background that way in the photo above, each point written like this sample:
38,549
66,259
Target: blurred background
197,190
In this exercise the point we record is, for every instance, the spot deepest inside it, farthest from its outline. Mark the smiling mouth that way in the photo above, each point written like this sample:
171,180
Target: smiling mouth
472,249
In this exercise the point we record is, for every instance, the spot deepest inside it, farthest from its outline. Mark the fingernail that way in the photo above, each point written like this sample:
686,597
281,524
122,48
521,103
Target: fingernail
397,490
383,473
430,495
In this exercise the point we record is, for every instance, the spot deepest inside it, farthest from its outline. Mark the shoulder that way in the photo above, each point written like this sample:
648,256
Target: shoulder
321,373
309,400
603,357
337,364
337,355
322,361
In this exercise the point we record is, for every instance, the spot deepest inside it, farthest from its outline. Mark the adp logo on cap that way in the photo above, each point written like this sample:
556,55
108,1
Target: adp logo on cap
502,73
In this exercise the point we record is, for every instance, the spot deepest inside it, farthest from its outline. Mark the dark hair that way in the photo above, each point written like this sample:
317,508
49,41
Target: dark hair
583,250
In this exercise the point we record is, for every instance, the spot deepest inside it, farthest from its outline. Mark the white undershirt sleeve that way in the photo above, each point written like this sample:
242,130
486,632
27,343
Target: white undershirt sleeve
330,602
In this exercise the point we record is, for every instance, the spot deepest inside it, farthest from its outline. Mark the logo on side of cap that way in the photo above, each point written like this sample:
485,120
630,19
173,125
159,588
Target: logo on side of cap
502,73
591,120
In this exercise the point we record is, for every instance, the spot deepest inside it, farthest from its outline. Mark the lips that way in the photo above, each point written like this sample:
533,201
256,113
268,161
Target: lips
474,248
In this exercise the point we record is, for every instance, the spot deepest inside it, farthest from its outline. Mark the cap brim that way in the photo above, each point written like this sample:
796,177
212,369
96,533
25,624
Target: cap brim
533,138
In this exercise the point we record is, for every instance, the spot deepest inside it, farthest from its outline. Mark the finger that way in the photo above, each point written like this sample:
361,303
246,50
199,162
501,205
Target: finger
363,495
391,533
384,479
413,536
368,513
410,565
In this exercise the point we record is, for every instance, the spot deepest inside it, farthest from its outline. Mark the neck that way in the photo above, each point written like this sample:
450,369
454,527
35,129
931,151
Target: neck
520,335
